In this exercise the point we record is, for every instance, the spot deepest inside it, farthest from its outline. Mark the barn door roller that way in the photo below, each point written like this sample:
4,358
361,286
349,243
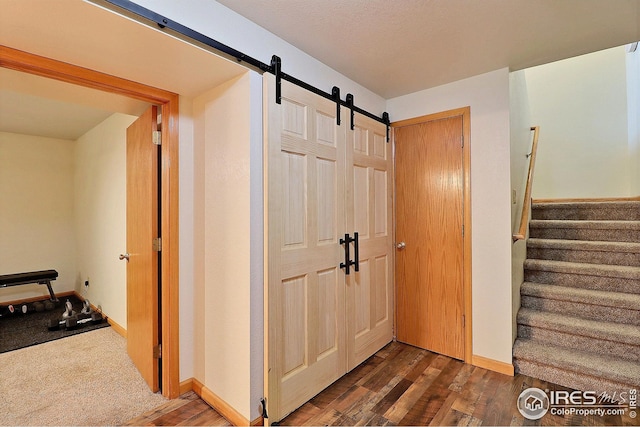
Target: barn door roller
335,93
276,66
350,107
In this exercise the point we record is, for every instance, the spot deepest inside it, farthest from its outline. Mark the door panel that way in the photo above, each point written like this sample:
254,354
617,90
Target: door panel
305,217
369,213
142,228
429,218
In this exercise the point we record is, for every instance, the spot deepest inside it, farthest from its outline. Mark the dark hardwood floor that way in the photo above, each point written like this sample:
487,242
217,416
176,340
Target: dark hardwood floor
187,410
401,385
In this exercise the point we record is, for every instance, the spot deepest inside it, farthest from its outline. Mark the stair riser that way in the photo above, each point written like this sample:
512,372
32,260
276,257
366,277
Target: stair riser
598,283
587,214
585,234
585,311
571,379
582,343
593,257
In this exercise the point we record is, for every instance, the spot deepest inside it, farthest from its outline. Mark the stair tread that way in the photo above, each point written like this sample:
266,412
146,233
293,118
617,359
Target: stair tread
584,245
589,224
618,332
581,295
619,271
596,365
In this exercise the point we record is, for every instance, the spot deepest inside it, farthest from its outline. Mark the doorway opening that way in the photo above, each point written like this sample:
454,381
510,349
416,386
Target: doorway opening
167,171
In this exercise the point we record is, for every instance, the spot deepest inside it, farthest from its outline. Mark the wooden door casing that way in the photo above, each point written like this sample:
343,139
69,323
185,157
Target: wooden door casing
142,228
429,219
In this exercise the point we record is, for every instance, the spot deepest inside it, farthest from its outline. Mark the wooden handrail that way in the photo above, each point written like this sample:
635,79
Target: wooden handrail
526,206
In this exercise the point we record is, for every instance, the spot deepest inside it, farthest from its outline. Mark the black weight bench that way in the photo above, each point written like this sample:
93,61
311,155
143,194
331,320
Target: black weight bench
43,277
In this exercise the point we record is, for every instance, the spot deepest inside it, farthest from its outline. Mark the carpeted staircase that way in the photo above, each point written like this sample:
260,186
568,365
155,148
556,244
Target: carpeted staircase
579,320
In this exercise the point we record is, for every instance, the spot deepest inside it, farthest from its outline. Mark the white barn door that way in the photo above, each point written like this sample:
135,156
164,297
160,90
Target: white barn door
306,211
315,312
370,292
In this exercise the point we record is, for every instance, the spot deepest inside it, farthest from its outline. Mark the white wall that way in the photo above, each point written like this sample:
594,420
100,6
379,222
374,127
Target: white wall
36,212
581,107
488,96
100,212
256,218
520,123
228,250
521,141
633,114
186,243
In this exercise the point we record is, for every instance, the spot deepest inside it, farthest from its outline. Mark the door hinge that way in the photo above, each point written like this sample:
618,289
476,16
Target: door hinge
157,244
157,137
464,321
157,352
462,230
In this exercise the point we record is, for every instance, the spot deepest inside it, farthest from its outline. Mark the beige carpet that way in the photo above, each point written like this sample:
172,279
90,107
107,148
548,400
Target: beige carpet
85,379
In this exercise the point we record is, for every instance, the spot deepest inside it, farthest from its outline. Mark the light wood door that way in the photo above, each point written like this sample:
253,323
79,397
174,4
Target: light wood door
305,221
429,219
142,228
369,194
324,180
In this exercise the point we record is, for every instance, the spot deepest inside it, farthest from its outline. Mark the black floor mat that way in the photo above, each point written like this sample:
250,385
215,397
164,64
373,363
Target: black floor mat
24,330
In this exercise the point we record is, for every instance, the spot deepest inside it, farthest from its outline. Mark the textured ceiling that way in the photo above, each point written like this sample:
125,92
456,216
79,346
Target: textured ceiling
402,46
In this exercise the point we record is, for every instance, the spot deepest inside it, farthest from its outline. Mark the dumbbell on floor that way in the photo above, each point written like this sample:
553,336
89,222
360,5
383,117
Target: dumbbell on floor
73,322
86,307
68,312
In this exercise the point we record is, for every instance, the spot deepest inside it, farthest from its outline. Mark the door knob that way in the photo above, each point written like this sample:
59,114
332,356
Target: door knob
401,246
124,256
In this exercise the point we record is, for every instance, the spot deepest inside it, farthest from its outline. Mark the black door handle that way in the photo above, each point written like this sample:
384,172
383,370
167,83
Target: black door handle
356,263
347,261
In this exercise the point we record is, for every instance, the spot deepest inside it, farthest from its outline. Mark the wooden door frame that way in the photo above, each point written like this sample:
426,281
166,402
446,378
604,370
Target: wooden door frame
168,102
465,113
